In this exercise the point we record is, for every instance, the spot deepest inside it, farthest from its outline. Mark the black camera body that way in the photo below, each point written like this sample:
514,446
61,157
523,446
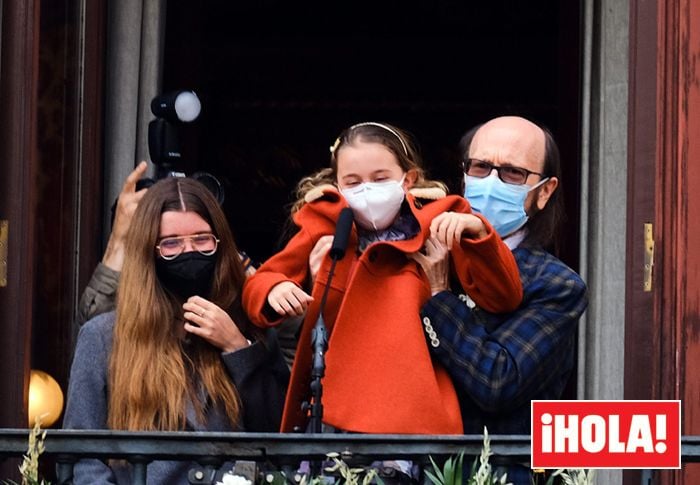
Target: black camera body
173,109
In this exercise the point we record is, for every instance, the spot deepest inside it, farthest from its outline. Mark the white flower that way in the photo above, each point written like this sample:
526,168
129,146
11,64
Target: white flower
231,479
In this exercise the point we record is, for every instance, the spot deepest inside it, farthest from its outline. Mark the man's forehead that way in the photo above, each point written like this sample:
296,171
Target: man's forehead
511,140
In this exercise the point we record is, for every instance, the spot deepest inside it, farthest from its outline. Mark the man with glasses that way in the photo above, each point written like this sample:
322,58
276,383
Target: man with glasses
500,362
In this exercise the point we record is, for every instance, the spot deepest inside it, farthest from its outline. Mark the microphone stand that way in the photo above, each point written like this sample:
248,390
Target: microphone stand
319,345
319,334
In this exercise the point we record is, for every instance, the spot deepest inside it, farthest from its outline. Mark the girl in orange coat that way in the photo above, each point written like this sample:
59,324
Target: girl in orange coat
379,376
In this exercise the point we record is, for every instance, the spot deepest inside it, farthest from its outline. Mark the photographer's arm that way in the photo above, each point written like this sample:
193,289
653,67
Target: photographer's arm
99,295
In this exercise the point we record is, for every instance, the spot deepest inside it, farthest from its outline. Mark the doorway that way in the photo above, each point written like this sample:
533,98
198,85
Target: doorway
279,81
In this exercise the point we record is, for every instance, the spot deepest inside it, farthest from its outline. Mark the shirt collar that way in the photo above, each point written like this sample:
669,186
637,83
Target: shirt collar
514,240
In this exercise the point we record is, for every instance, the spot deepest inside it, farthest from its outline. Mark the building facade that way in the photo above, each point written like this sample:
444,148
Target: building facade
618,81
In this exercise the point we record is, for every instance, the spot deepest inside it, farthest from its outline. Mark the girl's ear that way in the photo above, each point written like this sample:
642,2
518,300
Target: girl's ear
410,179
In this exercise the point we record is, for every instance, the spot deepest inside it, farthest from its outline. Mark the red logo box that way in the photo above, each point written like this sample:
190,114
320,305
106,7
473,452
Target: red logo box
606,434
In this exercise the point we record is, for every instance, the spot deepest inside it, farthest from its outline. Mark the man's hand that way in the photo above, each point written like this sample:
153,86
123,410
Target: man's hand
288,300
126,206
213,324
450,227
435,264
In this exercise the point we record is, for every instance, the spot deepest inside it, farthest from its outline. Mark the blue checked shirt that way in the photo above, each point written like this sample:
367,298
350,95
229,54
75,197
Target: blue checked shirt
499,362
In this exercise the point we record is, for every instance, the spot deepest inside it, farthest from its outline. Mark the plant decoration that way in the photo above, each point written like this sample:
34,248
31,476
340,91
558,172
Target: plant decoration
572,477
481,471
29,469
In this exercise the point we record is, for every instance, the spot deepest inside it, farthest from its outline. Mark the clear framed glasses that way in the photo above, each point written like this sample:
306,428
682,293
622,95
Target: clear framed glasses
508,174
172,247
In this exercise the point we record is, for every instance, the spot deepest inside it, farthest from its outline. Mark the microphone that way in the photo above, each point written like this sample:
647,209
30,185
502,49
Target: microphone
319,334
342,233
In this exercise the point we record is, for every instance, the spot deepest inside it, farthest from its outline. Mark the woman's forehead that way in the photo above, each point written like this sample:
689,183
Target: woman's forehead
182,223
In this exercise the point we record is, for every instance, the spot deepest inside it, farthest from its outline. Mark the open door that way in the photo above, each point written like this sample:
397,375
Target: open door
18,158
663,268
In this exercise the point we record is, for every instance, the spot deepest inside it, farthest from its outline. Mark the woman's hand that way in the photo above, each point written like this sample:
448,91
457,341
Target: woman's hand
450,227
323,245
435,264
288,300
213,324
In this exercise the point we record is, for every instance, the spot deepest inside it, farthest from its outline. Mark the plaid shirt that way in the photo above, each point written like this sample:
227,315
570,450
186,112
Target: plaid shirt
499,362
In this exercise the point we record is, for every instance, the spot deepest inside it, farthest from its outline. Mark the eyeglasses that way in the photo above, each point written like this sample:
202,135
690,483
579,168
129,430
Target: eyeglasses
172,247
508,174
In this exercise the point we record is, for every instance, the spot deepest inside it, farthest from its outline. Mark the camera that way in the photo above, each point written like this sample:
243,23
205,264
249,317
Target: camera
172,110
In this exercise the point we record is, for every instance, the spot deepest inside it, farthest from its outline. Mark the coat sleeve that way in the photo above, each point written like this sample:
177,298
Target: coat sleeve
290,264
261,376
86,406
511,362
100,294
487,271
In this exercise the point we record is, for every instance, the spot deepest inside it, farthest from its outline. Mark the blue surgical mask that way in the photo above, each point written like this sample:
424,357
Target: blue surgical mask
502,204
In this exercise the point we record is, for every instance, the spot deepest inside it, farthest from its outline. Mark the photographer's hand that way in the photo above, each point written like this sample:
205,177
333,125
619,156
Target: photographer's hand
209,321
126,205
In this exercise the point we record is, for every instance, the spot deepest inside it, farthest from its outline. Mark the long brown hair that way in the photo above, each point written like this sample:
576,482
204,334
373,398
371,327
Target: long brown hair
393,138
151,371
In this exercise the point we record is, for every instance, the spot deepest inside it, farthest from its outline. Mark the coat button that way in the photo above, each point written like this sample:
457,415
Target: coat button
418,204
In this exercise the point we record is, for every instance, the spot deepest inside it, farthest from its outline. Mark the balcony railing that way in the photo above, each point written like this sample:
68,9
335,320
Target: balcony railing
212,449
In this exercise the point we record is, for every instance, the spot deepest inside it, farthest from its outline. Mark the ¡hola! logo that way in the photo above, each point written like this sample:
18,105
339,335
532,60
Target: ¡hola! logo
606,434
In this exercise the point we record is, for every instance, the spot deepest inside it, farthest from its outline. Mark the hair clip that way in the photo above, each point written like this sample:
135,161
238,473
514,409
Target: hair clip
335,146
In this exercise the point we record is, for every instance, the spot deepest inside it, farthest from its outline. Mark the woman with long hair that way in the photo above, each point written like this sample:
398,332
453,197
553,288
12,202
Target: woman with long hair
178,353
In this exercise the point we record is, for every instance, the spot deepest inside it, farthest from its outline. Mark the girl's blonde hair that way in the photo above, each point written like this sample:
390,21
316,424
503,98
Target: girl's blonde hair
152,373
396,140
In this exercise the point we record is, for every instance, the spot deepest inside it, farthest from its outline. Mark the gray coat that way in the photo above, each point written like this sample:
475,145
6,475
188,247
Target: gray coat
258,372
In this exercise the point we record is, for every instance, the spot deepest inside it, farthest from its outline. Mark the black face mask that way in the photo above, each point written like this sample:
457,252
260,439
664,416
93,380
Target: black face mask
187,275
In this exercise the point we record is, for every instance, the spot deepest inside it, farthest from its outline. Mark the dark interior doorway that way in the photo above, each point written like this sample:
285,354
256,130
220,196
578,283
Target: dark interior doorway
279,80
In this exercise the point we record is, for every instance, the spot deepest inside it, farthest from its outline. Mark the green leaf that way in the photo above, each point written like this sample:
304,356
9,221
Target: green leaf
459,468
438,472
449,472
433,478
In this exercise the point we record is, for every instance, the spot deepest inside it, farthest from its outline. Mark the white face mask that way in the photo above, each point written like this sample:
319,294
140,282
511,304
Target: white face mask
375,205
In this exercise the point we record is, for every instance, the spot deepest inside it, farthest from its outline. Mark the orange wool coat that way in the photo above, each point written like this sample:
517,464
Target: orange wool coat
379,375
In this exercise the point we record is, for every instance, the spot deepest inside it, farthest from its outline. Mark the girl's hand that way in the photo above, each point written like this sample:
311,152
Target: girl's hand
450,227
213,324
323,245
435,264
287,299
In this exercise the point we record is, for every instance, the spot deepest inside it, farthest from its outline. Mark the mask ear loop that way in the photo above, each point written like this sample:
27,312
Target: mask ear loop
539,184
